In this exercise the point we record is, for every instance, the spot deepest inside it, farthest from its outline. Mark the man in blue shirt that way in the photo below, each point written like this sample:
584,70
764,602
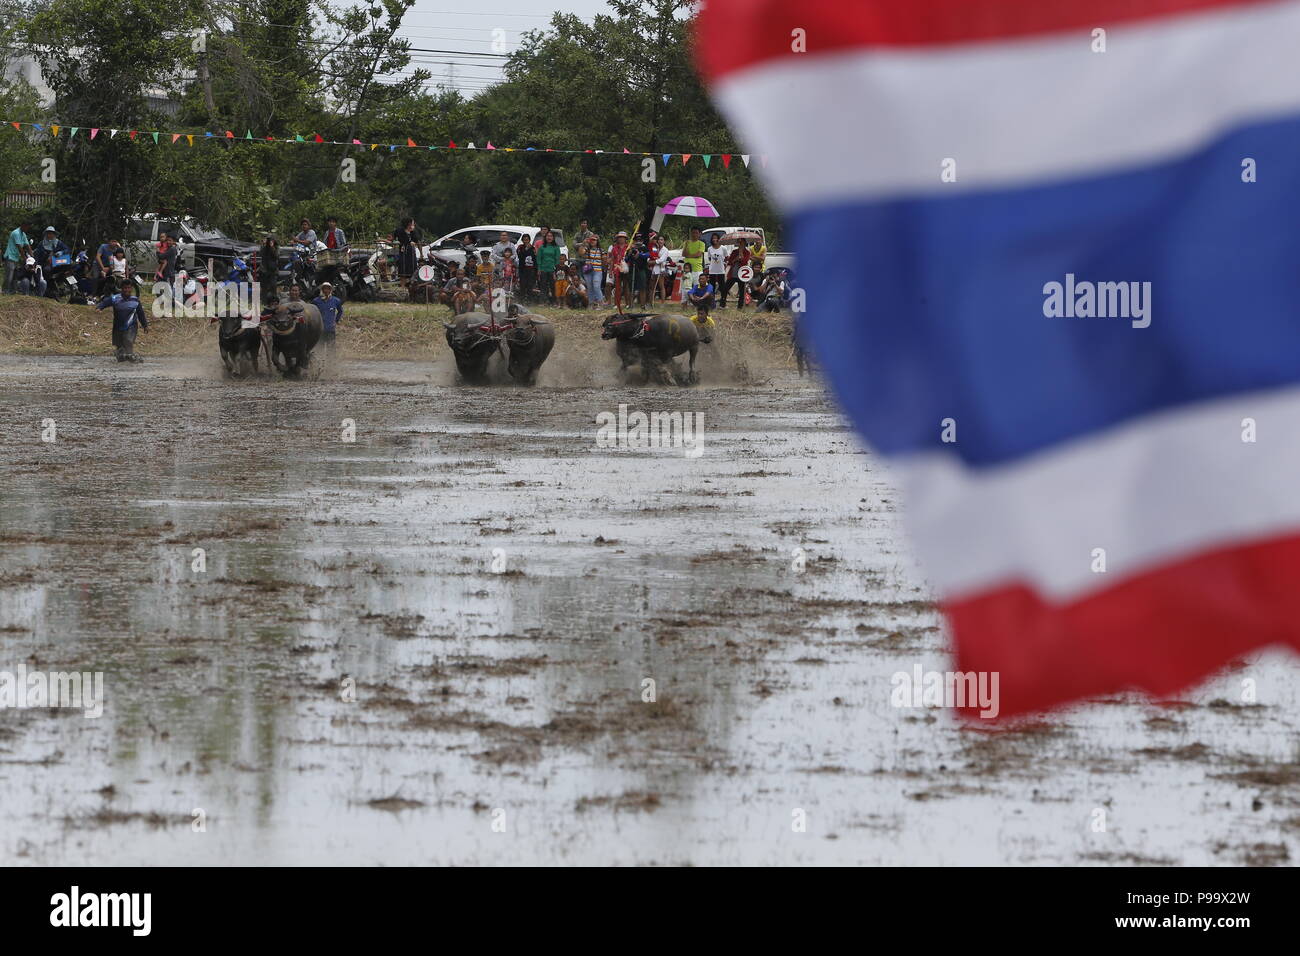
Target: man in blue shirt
700,295
128,314
331,313
17,249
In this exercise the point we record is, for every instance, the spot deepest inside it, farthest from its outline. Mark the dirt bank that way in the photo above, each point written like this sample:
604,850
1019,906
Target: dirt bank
30,326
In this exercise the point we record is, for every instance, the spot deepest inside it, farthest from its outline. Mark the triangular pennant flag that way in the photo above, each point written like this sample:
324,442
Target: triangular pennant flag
319,138
175,137
707,157
73,134
208,135
270,139
16,125
374,146
451,143
626,150
112,133
54,130
726,160
763,160
409,141
155,139
532,148
38,126
392,149
489,145
667,156
356,142
248,135
744,158
230,134
299,139
686,158
190,138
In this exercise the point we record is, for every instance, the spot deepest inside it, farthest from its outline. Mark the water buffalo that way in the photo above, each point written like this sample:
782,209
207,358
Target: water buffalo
473,339
295,330
653,340
529,341
240,340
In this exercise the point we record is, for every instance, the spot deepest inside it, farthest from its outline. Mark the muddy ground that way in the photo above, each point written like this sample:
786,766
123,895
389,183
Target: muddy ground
350,681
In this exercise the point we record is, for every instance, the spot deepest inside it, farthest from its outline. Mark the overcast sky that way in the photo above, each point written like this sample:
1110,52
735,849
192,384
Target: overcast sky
468,28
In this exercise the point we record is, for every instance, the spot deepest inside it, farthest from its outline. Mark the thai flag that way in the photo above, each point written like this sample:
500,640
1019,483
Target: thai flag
1051,250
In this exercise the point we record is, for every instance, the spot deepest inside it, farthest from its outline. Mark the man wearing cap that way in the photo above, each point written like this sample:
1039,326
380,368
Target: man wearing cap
17,250
331,313
128,314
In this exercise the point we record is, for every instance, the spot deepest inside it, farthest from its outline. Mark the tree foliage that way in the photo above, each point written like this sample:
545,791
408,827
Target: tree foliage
285,67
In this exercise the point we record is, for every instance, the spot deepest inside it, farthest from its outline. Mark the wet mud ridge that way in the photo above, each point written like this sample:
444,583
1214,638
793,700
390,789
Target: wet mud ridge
375,618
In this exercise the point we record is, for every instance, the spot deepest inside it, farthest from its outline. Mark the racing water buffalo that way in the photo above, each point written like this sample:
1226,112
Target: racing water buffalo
528,341
240,339
653,341
474,338
295,330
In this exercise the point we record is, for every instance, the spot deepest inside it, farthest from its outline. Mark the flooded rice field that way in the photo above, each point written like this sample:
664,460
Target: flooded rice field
438,625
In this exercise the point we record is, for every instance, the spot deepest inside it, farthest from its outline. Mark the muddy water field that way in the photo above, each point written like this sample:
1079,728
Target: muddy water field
472,634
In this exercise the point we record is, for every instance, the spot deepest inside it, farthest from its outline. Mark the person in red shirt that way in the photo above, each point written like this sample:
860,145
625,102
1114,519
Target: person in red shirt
737,260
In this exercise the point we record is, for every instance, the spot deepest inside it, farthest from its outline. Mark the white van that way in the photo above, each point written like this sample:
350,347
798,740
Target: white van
451,246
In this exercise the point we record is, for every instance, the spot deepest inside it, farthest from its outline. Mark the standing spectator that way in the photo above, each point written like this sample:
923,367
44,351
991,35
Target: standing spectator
583,234
334,237
295,293
593,270
167,254
485,271
331,313
660,266
268,267
620,271
508,272
693,256
541,237
526,255
469,245
641,271
499,250
407,238
737,260
307,236
17,250
548,260
715,262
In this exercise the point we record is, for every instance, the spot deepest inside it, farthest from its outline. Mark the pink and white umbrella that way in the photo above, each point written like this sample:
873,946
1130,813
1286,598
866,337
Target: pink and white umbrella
690,206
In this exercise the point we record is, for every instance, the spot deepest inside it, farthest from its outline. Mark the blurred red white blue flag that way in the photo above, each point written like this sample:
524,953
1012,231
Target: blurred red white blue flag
1051,253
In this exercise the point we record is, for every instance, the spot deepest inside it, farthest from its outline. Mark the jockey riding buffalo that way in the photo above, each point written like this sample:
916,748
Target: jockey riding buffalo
473,340
295,330
240,340
653,340
529,341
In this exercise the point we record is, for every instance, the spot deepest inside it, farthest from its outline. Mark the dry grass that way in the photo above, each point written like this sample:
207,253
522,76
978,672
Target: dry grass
381,330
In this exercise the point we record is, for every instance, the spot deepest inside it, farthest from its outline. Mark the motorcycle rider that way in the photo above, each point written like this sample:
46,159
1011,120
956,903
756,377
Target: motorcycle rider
49,247
104,263
128,314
